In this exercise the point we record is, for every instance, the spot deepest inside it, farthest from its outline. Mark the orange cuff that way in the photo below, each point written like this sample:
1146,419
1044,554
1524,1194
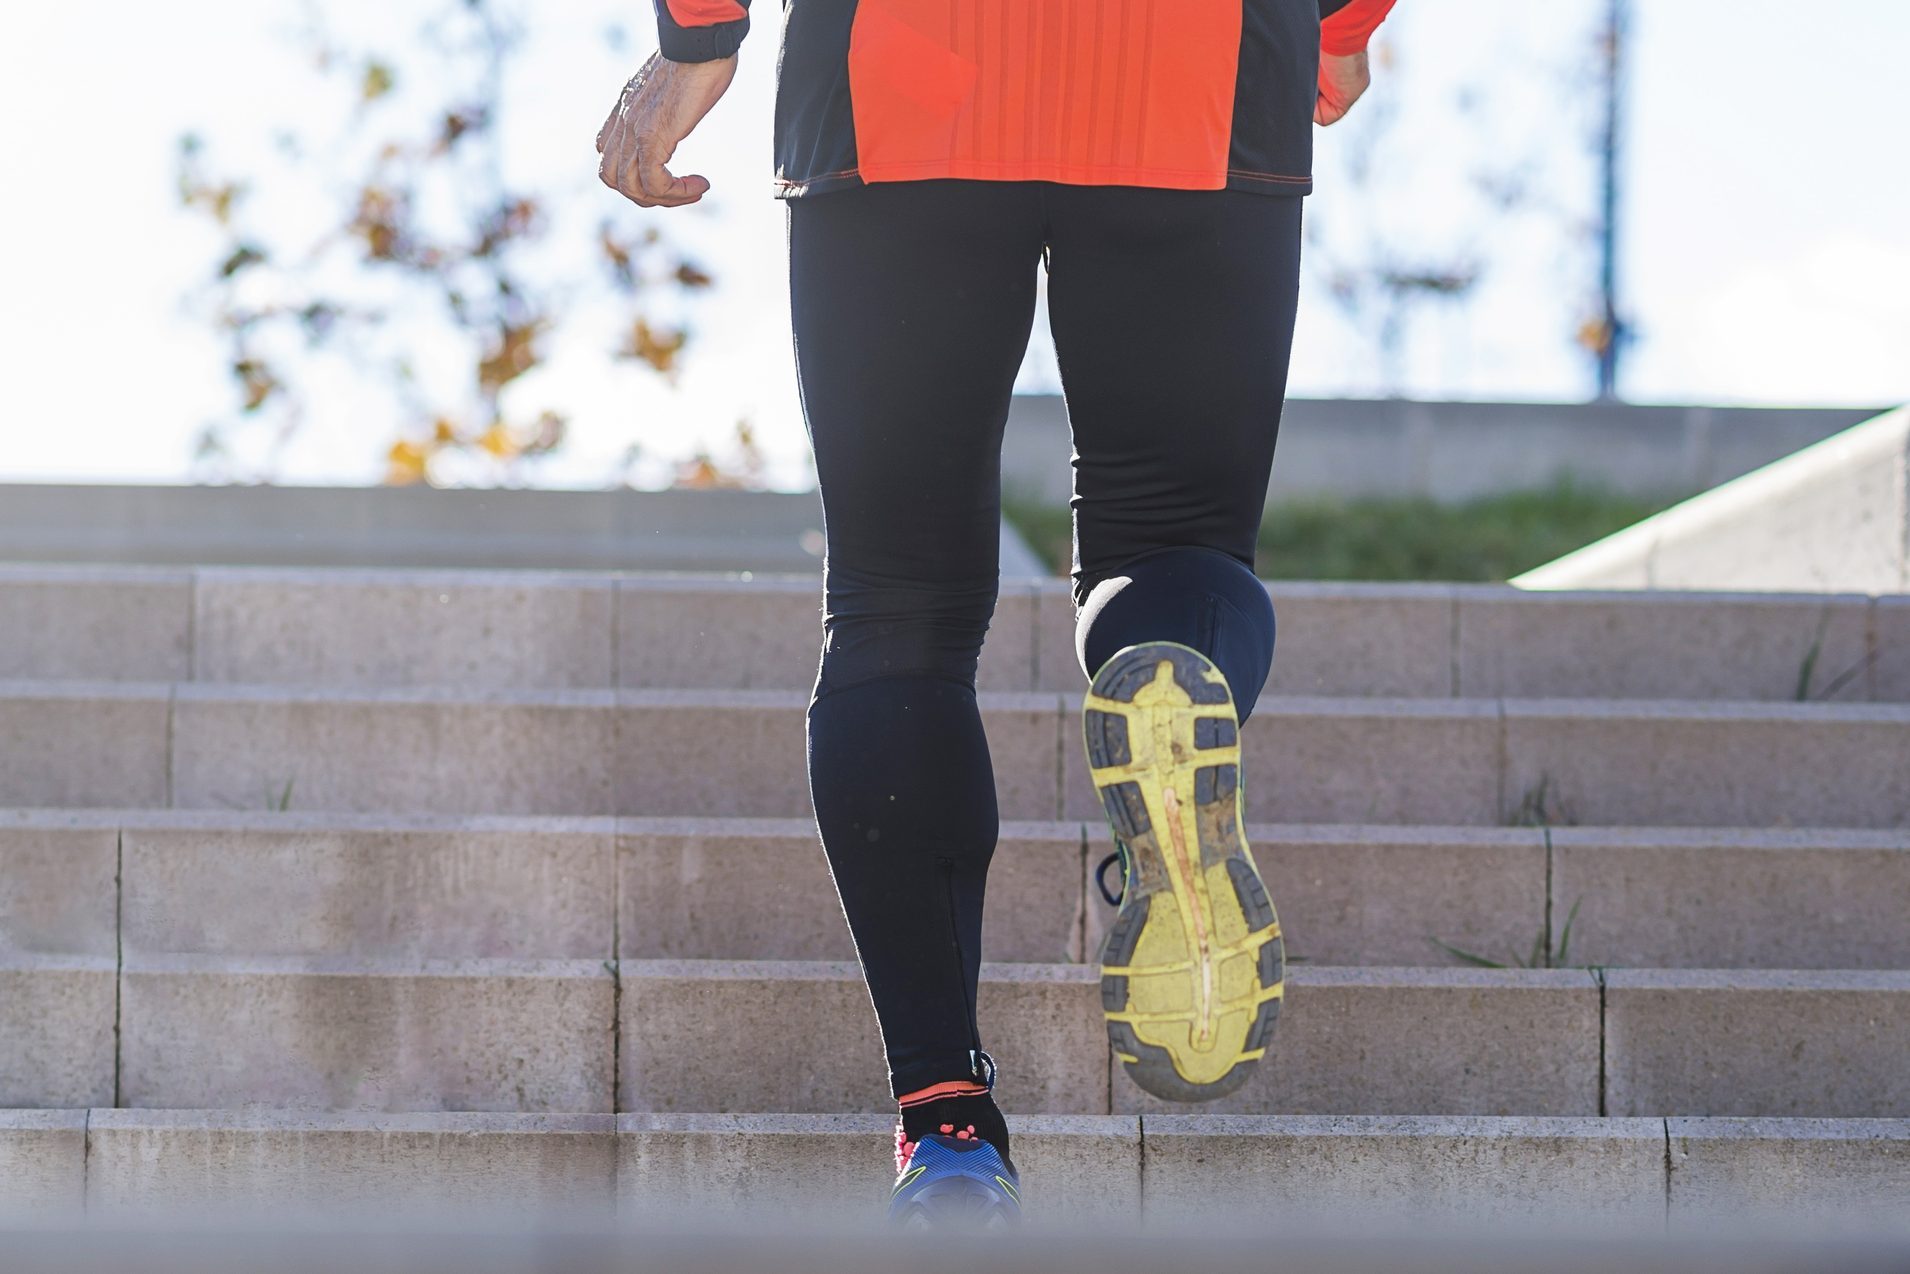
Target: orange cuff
953,1088
705,13
1346,32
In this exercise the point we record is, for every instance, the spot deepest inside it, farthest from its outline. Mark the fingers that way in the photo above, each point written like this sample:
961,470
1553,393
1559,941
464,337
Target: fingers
617,112
636,146
610,145
651,185
1332,104
1343,81
664,188
640,173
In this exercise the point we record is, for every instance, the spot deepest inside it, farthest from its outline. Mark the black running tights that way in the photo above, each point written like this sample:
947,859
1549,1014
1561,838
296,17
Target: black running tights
1172,314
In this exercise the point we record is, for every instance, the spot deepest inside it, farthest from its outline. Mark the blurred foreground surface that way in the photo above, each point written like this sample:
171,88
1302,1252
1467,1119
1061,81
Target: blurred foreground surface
723,1251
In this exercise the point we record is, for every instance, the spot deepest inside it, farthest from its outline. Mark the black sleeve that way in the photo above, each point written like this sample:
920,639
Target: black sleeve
696,39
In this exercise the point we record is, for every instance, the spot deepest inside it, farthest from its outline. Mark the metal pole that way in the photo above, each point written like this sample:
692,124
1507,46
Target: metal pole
1618,19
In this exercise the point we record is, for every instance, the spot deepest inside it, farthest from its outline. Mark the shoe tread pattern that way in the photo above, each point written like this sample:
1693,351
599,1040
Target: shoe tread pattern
1193,965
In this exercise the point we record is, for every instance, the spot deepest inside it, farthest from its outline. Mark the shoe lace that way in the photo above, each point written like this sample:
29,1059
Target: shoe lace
1101,874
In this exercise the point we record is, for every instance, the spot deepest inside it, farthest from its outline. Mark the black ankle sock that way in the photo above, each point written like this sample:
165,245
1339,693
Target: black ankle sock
957,1115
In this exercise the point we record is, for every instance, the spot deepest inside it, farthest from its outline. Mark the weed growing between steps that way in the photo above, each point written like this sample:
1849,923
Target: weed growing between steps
1544,805
1534,812
278,800
1543,956
1837,682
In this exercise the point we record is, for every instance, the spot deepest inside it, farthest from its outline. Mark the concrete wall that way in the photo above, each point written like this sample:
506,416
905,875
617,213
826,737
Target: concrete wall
408,526
766,531
1833,518
1456,451
1448,451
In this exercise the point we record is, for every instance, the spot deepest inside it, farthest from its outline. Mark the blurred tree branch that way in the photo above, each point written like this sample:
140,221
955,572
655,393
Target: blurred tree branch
1384,265
428,258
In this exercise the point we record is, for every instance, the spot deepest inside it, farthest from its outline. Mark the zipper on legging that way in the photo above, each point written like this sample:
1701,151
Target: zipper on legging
961,964
1210,625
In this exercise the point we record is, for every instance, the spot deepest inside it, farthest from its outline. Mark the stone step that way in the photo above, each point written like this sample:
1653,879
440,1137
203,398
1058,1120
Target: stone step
1697,898
552,1035
1712,898
712,1035
57,1042
1836,1172
1104,1170
574,752
96,882
1614,763
740,753
1770,1042
566,630
42,1162
486,1035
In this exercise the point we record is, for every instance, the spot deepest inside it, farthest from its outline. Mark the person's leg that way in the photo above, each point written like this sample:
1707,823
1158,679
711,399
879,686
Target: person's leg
1173,317
912,304
1195,596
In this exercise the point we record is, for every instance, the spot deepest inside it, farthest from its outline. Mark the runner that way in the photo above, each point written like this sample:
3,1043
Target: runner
936,154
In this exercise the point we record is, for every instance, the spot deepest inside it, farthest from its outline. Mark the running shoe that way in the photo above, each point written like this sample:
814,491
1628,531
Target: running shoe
953,1181
1193,968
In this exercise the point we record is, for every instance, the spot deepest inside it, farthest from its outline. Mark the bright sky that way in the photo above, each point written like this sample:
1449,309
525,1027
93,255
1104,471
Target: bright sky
1766,251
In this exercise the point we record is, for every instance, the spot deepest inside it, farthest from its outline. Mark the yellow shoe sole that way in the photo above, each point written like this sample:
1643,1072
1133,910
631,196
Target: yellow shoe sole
1193,968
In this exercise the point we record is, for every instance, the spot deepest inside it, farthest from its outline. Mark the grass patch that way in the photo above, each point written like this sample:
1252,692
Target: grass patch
1485,540
1048,529
1489,539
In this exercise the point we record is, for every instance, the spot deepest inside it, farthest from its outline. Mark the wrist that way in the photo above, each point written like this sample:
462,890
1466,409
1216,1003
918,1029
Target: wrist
700,44
1347,30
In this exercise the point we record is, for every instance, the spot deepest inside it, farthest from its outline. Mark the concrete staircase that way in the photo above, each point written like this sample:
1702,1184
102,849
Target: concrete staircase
501,888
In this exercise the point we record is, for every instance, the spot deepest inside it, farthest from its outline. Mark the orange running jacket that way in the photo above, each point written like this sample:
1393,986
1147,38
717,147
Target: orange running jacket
1184,94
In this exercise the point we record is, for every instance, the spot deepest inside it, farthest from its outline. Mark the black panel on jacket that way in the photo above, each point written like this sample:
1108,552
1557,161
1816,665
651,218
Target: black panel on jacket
815,126
1272,149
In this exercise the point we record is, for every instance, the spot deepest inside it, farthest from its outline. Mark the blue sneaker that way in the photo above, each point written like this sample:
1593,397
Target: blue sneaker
954,1182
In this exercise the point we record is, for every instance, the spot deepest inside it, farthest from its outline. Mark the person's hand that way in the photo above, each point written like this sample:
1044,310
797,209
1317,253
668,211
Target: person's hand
1342,80
657,109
